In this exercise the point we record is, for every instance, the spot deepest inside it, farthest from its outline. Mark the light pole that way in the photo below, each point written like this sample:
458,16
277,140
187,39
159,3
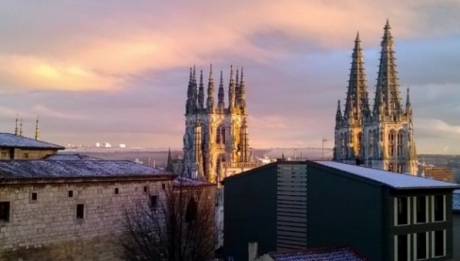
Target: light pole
322,147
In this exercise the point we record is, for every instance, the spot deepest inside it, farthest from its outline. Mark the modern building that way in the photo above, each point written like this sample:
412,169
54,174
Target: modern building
383,137
456,218
296,205
216,142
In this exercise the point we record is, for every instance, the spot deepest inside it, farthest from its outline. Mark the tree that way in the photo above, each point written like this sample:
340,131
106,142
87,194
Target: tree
177,225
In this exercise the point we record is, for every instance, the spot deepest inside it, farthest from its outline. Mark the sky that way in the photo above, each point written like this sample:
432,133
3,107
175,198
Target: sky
117,71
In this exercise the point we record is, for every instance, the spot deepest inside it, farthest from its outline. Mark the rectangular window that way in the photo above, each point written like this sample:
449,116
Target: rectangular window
439,208
163,186
34,196
70,193
5,211
146,189
80,211
402,252
153,202
402,211
26,155
421,209
438,242
421,246
116,191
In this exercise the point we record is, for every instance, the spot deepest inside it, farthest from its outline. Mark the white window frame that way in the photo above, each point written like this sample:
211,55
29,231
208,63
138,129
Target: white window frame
408,246
427,242
414,209
396,211
444,208
433,243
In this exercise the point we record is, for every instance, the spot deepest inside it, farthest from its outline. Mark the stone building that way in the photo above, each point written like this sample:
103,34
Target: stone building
69,207
383,137
216,142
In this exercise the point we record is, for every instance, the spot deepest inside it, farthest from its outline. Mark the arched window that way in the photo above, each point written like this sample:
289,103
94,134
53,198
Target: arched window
391,143
224,140
359,138
342,145
390,166
400,144
218,138
346,145
371,143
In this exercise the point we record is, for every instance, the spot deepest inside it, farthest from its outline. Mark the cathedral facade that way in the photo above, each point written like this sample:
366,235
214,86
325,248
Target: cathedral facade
216,141
381,137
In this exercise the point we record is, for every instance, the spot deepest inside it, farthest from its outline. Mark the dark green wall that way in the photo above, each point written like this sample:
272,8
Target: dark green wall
250,212
456,232
344,211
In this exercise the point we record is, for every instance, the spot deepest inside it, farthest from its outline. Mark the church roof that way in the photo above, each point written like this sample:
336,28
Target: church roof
391,179
9,140
65,168
318,254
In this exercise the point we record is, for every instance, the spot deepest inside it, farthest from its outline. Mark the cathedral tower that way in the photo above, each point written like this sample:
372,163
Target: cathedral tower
216,142
384,137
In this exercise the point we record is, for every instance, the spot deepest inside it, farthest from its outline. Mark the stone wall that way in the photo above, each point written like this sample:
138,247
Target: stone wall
48,228
16,153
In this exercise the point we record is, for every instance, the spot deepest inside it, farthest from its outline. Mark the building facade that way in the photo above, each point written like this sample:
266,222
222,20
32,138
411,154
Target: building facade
216,142
381,137
288,205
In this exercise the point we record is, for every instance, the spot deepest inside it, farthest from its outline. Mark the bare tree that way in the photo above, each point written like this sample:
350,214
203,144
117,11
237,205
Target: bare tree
177,225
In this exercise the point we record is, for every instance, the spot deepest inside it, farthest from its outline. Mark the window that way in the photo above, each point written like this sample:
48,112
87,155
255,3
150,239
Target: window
26,155
191,212
402,252
359,137
5,211
390,166
421,209
371,143
34,196
400,144
153,202
80,211
146,189
439,208
70,193
420,246
438,243
391,143
399,168
402,211
116,190
163,186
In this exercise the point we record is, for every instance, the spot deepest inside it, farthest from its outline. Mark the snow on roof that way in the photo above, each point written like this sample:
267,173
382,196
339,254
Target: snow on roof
45,169
14,141
189,182
392,179
70,156
320,254
456,200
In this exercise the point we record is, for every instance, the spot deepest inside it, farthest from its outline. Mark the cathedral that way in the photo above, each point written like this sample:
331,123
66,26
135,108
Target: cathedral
216,142
381,137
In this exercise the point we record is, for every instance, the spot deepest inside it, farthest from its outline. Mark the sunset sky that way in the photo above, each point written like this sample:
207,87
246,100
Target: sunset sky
116,71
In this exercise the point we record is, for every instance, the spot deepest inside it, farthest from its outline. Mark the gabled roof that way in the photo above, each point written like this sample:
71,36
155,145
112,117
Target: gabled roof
319,254
9,140
391,179
61,169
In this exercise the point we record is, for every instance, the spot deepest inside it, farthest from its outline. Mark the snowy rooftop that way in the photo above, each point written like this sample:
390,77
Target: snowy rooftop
321,254
392,179
73,156
46,169
14,141
188,182
456,200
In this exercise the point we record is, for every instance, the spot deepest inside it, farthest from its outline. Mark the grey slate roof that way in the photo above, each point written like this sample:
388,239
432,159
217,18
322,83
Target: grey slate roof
391,179
56,169
13,141
456,200
189,182
320,254
70,156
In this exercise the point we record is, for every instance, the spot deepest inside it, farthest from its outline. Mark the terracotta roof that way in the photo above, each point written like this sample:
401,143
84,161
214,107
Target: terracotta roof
13,141
319,254
56,169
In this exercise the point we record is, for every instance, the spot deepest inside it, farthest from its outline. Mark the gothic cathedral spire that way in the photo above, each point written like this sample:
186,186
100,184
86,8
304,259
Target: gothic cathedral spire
221,95
210,101
242,95
201,92
231,92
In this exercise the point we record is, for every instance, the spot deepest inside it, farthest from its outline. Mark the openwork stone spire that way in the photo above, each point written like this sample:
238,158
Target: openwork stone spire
231,91
242,94
210,101
387,94
201,92
357,103
221,95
